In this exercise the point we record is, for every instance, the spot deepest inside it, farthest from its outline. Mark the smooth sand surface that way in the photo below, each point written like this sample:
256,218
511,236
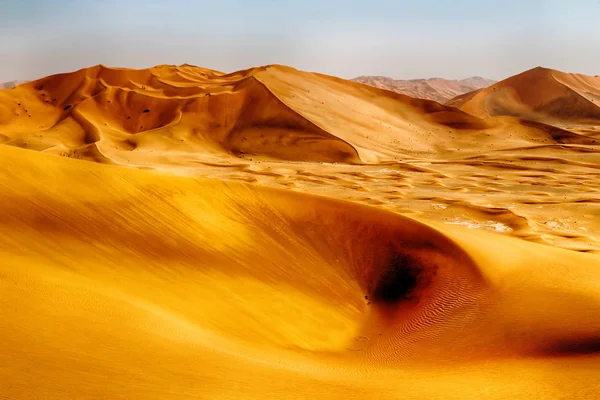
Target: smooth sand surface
293,236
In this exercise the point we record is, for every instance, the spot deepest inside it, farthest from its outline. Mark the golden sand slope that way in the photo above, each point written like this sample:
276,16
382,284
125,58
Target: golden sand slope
117,283
540,94
436,89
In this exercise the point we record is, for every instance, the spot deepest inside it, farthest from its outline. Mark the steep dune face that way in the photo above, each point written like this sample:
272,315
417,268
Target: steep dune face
436,89
157,286
186,114
541,95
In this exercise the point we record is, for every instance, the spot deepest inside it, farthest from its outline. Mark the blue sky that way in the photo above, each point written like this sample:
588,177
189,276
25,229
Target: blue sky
401,39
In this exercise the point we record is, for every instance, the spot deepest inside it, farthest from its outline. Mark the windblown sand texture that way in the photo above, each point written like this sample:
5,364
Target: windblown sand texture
279,234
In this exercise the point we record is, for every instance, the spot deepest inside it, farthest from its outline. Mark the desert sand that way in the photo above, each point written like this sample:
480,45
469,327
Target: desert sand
436,89
182,233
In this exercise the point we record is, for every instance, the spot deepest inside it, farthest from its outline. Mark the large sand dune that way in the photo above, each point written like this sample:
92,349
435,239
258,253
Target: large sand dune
119,283
379,280
540,94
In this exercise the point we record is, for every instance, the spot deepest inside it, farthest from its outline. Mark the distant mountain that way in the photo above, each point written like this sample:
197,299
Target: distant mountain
539,94
11,84
437,89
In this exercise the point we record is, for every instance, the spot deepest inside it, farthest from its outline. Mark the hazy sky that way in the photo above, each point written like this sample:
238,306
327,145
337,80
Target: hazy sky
401,39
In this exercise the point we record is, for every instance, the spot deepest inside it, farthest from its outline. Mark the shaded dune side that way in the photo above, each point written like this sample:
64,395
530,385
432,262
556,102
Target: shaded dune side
419,286
224,113
559,135
462,98
294,138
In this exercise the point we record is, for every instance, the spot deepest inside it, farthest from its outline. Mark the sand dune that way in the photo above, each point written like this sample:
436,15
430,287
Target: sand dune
298,236
157,286
127,116
540,94
105,111
436,89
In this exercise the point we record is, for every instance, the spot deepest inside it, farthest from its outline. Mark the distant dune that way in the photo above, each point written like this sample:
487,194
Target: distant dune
540,94
11,84
436,89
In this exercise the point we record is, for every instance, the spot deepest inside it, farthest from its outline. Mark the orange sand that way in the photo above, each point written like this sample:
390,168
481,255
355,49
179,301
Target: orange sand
127,284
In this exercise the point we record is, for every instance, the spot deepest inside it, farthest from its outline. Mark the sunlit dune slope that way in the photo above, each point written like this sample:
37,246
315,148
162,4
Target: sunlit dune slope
540,94
179,114
118,283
